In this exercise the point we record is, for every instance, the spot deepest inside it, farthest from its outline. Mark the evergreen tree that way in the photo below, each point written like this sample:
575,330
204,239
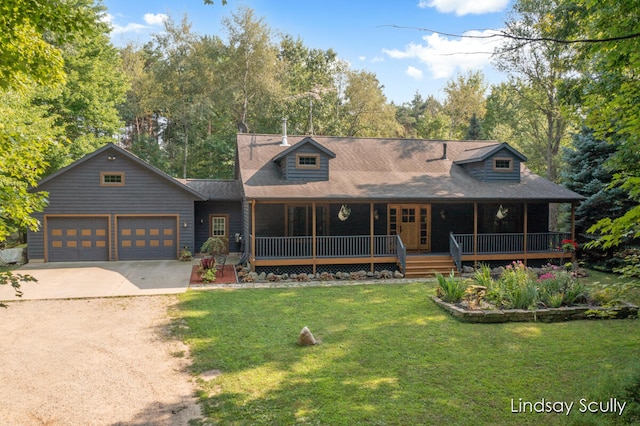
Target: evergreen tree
475,130
587,173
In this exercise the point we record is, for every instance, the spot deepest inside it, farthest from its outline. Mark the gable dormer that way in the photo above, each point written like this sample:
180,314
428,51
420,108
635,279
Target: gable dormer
494,163
307,160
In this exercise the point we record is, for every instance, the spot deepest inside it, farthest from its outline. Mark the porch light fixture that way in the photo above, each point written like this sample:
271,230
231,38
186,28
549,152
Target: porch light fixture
344,213
376,215
502,212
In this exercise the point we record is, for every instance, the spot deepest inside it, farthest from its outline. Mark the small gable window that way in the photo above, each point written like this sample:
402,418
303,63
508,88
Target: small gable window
503,164
112,179
307,161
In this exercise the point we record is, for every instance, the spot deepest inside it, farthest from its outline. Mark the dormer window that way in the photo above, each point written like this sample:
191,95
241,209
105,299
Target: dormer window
307,161
502,164
112,179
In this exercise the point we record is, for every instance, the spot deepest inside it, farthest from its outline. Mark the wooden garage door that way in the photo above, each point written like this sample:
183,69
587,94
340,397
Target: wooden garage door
77,238
147,237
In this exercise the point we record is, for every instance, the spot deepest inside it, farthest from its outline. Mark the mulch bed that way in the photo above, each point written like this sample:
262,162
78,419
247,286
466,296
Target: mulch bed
229,276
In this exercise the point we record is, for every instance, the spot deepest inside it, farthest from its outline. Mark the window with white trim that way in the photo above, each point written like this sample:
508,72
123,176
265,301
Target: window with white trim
112,179
503,164
307,161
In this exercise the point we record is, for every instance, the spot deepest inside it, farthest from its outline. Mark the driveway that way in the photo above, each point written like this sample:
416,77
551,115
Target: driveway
68,280
101,361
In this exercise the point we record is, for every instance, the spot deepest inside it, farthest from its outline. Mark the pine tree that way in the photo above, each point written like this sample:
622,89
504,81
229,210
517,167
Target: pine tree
589,173
475,130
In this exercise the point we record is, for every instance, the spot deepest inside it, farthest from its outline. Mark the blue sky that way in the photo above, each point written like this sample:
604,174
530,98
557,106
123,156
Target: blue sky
405,60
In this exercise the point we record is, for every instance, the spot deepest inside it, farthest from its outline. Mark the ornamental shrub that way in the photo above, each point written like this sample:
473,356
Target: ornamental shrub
450,289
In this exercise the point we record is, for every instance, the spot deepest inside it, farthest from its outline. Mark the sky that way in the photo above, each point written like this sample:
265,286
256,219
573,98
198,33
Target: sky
408,44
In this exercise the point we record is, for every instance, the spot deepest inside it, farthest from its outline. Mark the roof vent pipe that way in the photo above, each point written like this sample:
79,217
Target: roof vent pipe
284,132
444,151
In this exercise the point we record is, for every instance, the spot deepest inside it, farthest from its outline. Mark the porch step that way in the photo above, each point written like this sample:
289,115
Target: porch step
426,266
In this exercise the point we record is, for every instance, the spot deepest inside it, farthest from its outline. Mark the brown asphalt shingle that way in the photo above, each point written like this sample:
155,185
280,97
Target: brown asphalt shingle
385,169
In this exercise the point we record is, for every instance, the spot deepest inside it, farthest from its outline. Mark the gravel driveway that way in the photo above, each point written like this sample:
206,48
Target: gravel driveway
106,361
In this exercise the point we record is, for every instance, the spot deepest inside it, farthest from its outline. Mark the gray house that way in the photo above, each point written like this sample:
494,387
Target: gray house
110,205
311,203
317,202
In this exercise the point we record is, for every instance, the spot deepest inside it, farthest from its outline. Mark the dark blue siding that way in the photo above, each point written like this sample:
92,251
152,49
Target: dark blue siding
204,209
78,192
483,170
290,172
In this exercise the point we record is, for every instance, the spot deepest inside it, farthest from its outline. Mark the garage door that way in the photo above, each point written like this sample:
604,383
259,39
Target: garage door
75,238
147,237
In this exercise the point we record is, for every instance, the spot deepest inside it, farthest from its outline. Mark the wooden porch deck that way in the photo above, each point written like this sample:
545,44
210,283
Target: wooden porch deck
389,249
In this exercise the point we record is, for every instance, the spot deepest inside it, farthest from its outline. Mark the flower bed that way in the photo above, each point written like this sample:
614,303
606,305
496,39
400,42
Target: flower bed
523,294
565,313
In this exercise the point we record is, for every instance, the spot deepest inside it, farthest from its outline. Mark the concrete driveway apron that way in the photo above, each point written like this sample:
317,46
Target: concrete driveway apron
69,280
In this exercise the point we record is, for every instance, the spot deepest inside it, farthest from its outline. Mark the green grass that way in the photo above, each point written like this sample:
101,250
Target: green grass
604,279
390,356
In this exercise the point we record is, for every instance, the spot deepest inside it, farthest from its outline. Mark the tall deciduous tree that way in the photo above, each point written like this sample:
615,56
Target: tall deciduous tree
308,82
30,35
87,107
366,111
465,98
536,70
27,132
609,95
251,72
32,40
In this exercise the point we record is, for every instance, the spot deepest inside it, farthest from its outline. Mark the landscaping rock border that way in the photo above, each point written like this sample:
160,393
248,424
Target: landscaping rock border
569,313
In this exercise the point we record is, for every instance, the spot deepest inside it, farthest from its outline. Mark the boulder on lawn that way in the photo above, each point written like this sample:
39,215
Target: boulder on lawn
306,338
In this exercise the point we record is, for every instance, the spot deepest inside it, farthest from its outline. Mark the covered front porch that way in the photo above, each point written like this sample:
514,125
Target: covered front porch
317,235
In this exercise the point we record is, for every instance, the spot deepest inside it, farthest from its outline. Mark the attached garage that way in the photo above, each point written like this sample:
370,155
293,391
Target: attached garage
147,237
112,206
77,238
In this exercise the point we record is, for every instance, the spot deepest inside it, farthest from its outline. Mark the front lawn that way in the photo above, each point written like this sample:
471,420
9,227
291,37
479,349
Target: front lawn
390,356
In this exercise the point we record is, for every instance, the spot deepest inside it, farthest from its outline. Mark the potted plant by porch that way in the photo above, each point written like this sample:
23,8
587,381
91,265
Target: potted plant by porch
216,248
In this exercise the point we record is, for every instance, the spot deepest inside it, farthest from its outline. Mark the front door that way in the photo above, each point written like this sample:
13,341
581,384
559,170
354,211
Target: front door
411,222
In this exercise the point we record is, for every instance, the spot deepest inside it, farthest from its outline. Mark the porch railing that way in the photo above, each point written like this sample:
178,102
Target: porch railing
455,250
402,254
541,242
332,246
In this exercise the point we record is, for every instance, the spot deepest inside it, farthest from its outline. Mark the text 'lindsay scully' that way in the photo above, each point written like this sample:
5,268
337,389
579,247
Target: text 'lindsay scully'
564,407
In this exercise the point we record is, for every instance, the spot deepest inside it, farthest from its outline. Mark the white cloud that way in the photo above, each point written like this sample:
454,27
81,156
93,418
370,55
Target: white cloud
150,19
445,56
377,59
362,58
414,73
131,27
465,7
155,18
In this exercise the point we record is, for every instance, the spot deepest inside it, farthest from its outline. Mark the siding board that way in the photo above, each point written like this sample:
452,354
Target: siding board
203,210
290,172
78,191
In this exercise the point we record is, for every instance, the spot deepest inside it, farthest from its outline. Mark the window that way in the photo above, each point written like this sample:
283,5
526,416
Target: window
112,179
218,226
503,164
307,161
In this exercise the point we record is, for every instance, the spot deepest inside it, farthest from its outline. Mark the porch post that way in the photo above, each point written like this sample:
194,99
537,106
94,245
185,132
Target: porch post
371,230
573,220
475,234
313,235
253,234
525,227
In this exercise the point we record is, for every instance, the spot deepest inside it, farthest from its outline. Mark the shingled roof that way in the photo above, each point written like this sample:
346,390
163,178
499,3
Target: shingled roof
216,189
385,170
